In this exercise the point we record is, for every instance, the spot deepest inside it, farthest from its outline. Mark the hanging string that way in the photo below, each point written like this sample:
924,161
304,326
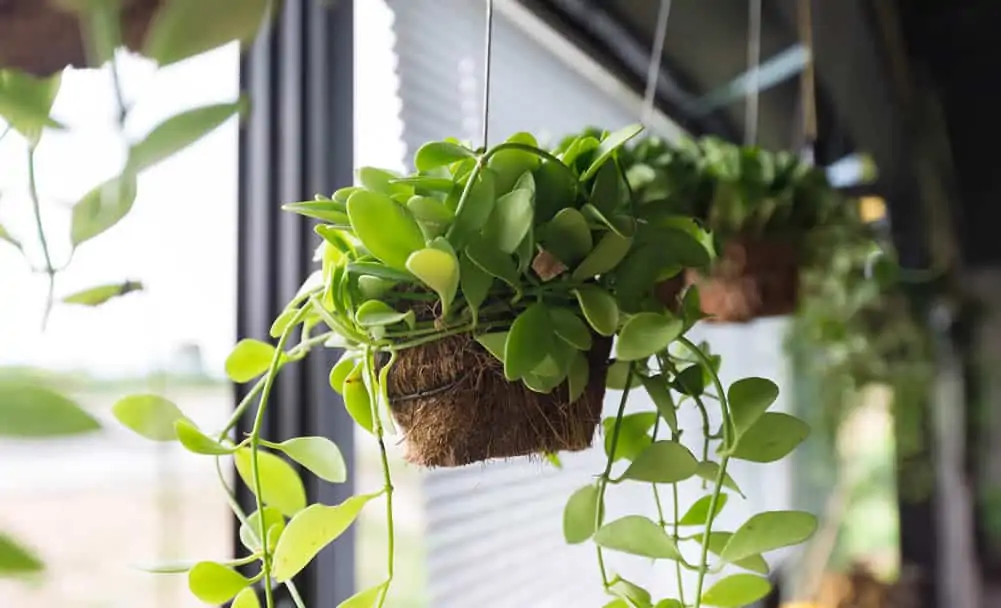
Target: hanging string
656,56
486,70
806,81
754,73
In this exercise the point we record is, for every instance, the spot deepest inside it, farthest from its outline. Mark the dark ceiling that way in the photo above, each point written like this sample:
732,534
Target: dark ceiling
901,80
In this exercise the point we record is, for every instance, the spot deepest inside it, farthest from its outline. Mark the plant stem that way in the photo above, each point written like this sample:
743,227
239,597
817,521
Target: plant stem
376,393
603,480
656,493
677,539
255,444
37,209
720,474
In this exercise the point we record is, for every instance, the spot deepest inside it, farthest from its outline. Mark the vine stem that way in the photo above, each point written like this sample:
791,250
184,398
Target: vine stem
376,393
255,444
40,228
721,473
603,480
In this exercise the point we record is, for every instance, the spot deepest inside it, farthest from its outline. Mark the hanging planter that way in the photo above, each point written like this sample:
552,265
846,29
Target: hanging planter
771,216
485,283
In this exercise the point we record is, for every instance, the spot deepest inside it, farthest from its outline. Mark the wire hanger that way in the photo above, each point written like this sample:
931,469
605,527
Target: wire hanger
656,57
751,104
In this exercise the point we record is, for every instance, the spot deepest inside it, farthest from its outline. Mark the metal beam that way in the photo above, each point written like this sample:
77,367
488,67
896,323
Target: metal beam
299,76
775,70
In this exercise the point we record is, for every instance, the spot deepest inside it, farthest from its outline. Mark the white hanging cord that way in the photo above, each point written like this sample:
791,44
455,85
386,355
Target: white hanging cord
486,70
656,56
754,73
806,83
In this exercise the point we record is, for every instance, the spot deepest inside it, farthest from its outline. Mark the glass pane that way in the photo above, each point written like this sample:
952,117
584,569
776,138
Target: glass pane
96,506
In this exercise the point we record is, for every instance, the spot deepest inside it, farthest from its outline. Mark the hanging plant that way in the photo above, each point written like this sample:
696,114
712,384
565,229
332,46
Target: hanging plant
770,213
476,301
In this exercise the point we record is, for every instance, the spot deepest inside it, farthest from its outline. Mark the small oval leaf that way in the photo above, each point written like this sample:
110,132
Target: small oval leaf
599,308
510,221
310,531
769,531
340,371
528,342
749,398
662,462
439,270
609,146
580,515
374,313
366,598
318,454
736,590
274,523
357,400
280,484
17,560
577,376
95,296
698,513
570,328
709,471
494,262
637,535
567,236
198,442
386,228
646,333
494,343
246,599
249,359
214,583
180,131
440,153
151,416
611,249
771,438
656,387
474,211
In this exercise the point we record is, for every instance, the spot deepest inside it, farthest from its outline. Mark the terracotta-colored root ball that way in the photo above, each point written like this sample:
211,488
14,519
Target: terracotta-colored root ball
752,279
40,38
454,406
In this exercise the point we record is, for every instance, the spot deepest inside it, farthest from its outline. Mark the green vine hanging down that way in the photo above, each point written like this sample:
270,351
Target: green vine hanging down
475,302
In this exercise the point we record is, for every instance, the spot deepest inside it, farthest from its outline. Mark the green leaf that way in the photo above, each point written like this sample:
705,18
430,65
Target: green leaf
577,377
494,262
95,296
175,567
634,595
634,435
310,531
28,409
570,328
249,359
718,540
769,531
185,28
374,313
637,535
246,599
151,416
709,470
440,153
214,583
474,282
553,459
662,462
494,343
340,371
580,515
555,189
430,210
509,165
282,322
366,598
611,249
357,400
605,193
26,101
771,438
528,342
386,228
198,442
381,271
510,220
616,377
334,212
690,381
669,603
656,387
180,131
427,183
473,212
599,308
567,236
7,237
691,307
102,208
736,590
318,454
280,484
608,146
274,523
439,270
17,560
382,181
645,334
748,399
699,512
